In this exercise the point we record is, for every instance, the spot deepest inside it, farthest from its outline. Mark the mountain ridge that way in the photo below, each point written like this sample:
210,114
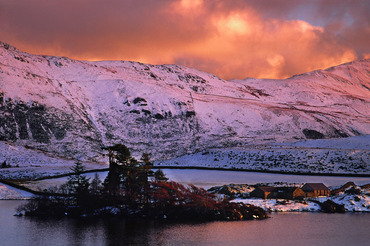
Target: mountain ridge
73,108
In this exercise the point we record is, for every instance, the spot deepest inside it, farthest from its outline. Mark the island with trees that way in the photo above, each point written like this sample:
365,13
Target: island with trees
133,189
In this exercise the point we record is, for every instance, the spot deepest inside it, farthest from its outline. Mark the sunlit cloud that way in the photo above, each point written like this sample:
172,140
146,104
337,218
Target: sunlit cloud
366,56
232,39
233,24
191,4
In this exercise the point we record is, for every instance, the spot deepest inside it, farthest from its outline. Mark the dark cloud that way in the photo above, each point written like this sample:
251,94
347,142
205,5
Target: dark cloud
233,39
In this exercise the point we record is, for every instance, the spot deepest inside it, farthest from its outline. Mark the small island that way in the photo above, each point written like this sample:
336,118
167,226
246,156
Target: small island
133,189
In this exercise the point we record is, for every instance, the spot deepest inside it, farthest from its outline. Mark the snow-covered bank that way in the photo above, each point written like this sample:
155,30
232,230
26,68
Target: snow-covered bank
352,203
10,193
273,205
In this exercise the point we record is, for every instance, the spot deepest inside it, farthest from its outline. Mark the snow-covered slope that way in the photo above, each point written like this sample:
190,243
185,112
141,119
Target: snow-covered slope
73,108
320,156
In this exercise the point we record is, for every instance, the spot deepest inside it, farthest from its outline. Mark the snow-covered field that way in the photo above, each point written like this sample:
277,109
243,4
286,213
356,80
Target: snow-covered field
331,156
351,143
344,155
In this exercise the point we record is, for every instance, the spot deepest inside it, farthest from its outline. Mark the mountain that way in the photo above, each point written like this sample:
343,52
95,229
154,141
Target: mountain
72,108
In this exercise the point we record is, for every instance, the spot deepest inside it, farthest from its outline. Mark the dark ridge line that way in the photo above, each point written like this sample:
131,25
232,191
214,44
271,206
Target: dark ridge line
13,183
67,174
360,175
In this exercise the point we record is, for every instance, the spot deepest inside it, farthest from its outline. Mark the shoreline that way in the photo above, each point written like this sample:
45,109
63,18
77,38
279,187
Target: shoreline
14,183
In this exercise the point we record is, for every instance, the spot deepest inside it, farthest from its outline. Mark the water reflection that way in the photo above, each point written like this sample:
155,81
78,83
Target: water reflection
281,229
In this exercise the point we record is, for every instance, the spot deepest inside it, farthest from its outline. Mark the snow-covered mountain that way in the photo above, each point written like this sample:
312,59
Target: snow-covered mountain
73,108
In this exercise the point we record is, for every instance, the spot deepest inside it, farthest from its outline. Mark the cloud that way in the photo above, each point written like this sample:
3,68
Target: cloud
232,39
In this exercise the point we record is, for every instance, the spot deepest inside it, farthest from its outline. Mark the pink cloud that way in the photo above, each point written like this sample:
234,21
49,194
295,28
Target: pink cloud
232,39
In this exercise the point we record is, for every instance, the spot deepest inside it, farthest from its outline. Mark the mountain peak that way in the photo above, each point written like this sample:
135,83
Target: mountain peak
7,46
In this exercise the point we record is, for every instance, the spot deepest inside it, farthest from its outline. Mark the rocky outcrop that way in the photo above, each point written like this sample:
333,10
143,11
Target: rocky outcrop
331,207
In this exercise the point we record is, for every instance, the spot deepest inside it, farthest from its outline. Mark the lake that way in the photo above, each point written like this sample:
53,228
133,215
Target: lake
280,229
209,178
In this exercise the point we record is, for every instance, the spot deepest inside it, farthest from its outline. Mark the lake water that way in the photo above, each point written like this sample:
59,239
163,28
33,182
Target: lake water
280,229
209,178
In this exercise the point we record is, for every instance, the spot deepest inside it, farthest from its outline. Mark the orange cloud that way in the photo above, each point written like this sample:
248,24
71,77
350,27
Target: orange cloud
232,39
191,4
366,56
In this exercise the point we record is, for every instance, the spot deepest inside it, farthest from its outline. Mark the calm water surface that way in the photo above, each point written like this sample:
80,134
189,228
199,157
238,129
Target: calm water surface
281,229
209,178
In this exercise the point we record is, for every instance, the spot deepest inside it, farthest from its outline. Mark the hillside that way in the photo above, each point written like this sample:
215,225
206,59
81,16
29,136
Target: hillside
71,109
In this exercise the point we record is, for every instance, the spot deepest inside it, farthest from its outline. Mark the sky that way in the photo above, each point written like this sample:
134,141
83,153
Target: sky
233,39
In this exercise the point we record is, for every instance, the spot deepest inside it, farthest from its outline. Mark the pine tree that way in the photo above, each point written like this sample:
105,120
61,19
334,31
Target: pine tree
95,185
78,183
159,176
119,155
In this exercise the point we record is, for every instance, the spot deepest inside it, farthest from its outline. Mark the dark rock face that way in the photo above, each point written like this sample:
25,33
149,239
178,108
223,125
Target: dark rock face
21,121
45,128
312,134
